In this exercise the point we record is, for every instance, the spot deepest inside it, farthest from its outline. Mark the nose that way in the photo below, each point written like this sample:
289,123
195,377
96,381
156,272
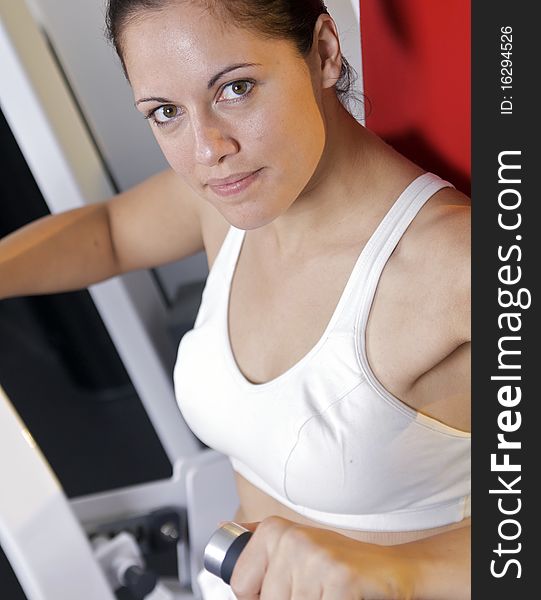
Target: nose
212,143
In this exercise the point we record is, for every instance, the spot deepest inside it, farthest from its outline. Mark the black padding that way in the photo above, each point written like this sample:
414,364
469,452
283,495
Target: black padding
233,554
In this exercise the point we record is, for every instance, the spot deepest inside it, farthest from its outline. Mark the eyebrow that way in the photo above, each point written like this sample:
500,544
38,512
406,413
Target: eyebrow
211,82
223,72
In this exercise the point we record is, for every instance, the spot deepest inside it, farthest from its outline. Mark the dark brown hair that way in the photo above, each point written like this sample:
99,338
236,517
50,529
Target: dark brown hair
292,20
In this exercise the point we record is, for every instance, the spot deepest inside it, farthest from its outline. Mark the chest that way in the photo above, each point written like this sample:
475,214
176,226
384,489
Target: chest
278,312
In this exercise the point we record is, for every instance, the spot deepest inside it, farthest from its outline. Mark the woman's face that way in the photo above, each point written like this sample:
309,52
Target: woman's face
235,114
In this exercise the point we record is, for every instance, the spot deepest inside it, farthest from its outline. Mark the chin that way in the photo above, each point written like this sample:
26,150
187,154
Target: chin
241,220
250,214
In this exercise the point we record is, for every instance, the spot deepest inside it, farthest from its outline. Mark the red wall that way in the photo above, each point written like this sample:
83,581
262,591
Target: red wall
416,68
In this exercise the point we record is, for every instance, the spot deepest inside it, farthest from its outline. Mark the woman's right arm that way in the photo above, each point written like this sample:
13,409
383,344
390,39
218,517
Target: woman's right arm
154,223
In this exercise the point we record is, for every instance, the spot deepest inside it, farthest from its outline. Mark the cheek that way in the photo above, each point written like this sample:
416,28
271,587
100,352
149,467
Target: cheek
296,136
176,153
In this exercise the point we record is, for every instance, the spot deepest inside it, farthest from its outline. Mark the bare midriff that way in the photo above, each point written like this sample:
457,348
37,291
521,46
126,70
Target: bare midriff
255,506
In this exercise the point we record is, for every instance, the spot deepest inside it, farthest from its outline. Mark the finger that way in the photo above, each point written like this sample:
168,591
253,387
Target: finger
252,564
340,593
342,588
252,526
307,581
277,584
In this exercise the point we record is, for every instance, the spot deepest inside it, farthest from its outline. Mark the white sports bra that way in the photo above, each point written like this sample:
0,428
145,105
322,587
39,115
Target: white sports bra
325,438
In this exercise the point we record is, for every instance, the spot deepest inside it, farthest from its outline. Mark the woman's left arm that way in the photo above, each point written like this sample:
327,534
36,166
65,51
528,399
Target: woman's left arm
287,561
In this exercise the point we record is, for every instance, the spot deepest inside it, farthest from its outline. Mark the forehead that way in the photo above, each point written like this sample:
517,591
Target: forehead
186,38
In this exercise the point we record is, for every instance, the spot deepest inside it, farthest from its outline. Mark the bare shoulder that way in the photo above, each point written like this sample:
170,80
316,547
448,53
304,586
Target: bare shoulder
426,298
155,222
162,220
444,222
438,247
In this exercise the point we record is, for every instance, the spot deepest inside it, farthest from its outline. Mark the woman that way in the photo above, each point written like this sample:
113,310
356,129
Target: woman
334,323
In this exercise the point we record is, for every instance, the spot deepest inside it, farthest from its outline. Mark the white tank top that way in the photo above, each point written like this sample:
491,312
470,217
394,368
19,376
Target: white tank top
325,438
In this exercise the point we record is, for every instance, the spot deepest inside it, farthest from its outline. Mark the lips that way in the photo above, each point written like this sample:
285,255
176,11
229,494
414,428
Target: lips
234,184
231,179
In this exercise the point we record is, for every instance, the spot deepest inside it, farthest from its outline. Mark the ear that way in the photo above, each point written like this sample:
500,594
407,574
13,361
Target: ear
326,45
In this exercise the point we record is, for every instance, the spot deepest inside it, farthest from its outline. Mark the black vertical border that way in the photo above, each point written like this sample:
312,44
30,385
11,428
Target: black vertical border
492,133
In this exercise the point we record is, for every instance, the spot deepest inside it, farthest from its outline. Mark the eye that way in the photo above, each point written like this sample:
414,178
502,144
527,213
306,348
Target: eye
236,90
164,114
